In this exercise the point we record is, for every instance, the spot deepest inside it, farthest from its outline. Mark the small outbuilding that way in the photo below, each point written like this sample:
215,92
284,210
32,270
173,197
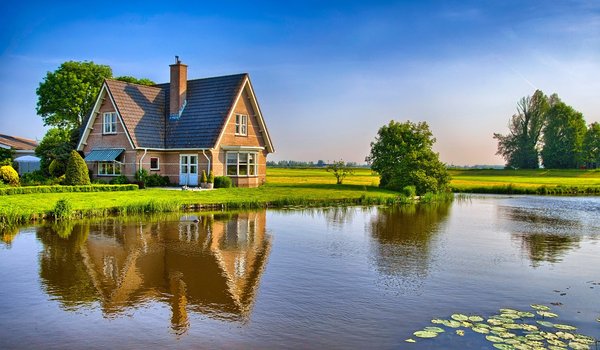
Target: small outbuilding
24,152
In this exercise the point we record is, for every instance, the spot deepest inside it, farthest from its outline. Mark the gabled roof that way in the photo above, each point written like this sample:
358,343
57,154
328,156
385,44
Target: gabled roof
17,143
143,111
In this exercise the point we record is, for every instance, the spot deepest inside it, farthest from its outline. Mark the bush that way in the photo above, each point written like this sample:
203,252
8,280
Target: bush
141,175
204,179
211,178
409,191
156,180
62,189
9,175
77,171
223,182
56,168
119,180
62,209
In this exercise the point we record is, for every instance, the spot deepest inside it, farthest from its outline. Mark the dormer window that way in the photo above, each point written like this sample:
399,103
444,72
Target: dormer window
110,123
241,124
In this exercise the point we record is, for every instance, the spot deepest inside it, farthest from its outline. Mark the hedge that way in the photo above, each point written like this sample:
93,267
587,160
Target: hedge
61,189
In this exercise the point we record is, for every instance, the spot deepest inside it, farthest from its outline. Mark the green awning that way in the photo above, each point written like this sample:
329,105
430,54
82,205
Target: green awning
104,155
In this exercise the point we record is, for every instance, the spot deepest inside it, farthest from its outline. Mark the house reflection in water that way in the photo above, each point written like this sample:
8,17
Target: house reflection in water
210,264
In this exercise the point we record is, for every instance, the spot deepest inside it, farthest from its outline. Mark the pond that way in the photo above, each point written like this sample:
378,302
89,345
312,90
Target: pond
358,277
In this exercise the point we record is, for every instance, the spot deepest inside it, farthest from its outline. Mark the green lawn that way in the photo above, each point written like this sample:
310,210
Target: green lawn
293,187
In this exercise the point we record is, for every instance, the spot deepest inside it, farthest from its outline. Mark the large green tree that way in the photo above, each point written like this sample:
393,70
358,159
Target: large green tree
520,148
591,146
563,137
402,155
57,145
67,95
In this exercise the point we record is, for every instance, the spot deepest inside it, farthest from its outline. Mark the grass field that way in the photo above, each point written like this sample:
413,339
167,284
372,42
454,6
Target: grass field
292,187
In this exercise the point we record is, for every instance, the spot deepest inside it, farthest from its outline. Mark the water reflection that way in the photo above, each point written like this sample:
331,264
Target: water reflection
402,242
542,233
208,263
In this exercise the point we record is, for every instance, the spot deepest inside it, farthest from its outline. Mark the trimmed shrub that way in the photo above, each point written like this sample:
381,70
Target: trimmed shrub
156,180
77,171
63,209
63,189
9,175
204,179
56,168
211,178
119,180
223,182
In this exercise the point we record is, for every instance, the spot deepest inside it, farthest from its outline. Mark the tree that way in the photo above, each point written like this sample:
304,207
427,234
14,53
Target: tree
340,170
56,144
77,171
591,146
134,80
67,95
520,148
563,137
402,156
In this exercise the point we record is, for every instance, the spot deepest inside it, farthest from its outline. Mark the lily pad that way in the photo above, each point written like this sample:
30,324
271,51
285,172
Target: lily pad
410,341
494,322
425,334
434,329
494,339
580,338
565,327
565,335
578,346
534,337
509,311
460,332
503,346
525,314
475,318
598,319
557,342
459,317
451,323
481,330
437,321
545,323
511,316
547,314
540,307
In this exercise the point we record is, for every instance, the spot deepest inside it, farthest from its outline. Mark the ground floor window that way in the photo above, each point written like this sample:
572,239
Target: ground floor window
241,163
154,163
109,168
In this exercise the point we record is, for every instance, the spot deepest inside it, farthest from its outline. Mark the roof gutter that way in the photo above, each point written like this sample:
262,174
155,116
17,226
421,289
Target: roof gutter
208,160
142,159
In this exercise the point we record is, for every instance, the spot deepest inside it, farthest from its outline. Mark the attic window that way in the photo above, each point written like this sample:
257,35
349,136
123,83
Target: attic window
241,124
110,123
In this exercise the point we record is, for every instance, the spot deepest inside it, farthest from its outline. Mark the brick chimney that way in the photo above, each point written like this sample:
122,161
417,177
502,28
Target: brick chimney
178,89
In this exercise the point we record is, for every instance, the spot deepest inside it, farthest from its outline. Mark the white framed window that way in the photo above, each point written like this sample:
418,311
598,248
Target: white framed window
241,124
154,163
241,163
110,123
109,168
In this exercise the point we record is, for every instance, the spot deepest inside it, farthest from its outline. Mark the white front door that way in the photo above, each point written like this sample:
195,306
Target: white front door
188,169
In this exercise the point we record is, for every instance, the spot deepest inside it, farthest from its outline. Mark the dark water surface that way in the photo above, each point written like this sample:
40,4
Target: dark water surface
325,278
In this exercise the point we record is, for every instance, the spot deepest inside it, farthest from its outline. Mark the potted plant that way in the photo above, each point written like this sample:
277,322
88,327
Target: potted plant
204,180
210,181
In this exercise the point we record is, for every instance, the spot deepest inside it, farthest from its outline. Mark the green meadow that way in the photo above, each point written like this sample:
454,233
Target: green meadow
292,187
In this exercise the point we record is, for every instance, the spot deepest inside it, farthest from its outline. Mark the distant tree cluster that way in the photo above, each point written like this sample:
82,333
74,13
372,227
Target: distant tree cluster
310,164
547,129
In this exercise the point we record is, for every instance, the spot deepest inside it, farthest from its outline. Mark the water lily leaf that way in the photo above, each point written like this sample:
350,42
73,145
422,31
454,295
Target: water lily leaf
460,332
580,338
554,347
578,346
547,314
481,330
598,319
410,340
545,323
467,324
534,337
565,335
557,342
475,318
548,335
498,329
459,317
540,307
509,311
535,344
425,334
565,327
437,321
494,322
503,346
511,316
451,323
522,346
434,329
507,335
481,325
494,339
513,326
525,314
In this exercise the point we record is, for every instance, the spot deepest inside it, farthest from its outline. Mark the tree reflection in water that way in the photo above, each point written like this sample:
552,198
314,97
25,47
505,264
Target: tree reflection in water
206,263
402,243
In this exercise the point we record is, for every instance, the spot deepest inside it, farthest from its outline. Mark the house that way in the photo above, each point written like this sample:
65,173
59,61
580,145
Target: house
24,152
178,129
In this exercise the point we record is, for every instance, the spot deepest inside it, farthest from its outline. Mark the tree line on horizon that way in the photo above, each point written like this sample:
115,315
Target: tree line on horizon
548,131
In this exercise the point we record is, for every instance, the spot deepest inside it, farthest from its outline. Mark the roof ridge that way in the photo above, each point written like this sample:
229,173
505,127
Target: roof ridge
155,86
213,77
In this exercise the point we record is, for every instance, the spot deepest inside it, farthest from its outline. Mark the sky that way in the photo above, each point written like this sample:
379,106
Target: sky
327,74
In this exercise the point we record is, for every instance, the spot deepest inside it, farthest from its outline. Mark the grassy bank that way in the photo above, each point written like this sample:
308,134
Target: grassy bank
540,181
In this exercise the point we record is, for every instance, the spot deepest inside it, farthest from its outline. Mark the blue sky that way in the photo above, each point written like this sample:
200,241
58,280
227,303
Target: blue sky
327,74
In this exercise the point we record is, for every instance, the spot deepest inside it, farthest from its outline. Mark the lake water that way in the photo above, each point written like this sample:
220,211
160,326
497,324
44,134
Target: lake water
315,278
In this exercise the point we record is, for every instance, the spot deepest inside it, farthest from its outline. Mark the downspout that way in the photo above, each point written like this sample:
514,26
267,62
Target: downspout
208,160
142,159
